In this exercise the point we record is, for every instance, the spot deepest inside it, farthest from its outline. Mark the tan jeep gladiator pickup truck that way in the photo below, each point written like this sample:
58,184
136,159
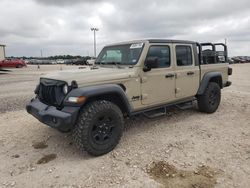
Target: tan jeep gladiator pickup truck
143,76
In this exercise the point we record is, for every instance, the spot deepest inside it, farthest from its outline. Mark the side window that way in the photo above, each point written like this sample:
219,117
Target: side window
160,55
183,55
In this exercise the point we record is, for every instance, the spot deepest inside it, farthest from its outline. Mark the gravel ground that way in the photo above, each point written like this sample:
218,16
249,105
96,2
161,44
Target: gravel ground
190,148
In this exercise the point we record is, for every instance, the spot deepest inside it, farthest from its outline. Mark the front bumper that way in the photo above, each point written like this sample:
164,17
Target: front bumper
62,120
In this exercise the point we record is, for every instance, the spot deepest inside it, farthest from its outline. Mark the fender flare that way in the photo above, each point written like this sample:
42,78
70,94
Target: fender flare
99,91
206,79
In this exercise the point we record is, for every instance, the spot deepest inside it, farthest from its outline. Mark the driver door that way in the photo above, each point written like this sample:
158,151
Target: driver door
158,84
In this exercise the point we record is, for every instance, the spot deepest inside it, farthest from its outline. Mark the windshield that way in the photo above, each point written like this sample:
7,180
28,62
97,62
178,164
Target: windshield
126,54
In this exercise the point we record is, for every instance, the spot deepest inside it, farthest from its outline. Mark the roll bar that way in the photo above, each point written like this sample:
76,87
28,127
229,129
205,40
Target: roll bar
212,56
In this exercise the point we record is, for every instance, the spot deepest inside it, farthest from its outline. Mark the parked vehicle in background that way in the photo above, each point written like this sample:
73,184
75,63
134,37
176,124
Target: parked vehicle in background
69,61
230,61
60,61
12,63
241,59
31,61
78,61
42,62
91,61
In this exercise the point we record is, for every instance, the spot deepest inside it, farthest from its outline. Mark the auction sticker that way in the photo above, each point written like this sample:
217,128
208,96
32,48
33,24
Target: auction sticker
137,45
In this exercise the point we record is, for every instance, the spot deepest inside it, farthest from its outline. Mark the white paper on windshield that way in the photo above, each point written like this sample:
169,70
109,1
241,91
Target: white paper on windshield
137,45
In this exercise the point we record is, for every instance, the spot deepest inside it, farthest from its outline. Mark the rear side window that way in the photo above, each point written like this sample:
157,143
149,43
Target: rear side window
183,55
161,54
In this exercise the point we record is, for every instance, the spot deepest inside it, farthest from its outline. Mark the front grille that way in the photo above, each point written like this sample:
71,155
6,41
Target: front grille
51,92
48,94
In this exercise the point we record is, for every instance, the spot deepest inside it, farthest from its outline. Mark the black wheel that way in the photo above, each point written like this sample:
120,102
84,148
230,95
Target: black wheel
210,100
19,66
99,127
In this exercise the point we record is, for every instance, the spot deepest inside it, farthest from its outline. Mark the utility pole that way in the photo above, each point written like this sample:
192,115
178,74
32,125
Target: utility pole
41,53
38,65
225,41
94,29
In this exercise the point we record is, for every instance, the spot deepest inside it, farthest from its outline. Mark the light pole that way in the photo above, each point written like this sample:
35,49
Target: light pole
94,29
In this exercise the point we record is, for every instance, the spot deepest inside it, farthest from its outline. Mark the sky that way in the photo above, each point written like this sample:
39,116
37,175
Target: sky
63,26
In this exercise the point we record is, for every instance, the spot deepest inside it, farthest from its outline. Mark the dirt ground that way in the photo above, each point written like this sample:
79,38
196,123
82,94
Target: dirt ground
184,149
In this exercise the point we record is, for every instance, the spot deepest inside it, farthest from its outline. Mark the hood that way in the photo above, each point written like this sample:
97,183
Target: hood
88,76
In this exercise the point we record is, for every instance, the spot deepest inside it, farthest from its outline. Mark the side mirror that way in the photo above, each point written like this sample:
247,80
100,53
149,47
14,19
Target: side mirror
150,63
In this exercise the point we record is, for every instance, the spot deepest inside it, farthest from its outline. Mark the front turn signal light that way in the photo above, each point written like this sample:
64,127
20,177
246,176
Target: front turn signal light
77,100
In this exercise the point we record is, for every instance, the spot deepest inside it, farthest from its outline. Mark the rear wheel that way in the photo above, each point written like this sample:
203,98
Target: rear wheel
210,100
99,127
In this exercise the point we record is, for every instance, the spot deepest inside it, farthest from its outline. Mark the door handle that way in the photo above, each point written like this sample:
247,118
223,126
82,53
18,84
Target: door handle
190,73
169,75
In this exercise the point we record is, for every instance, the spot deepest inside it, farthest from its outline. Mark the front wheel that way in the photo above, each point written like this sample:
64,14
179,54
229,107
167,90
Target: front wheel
209,101
99,127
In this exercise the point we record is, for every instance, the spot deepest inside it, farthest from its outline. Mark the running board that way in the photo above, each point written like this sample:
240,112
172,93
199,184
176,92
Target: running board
163,111
185,106
155,113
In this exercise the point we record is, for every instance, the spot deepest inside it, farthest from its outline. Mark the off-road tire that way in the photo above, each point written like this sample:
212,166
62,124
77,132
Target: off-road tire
86,133
209,101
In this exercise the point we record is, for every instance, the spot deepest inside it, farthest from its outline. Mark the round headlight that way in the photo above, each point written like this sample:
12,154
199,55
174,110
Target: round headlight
65,89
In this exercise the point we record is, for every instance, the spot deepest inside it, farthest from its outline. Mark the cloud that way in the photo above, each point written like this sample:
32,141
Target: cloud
63,27
65,2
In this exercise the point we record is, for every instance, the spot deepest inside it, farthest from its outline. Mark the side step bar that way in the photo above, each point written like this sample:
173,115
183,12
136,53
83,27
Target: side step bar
163,110
184,106
155,113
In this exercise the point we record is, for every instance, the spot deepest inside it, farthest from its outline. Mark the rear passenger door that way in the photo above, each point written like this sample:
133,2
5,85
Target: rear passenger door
187,73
